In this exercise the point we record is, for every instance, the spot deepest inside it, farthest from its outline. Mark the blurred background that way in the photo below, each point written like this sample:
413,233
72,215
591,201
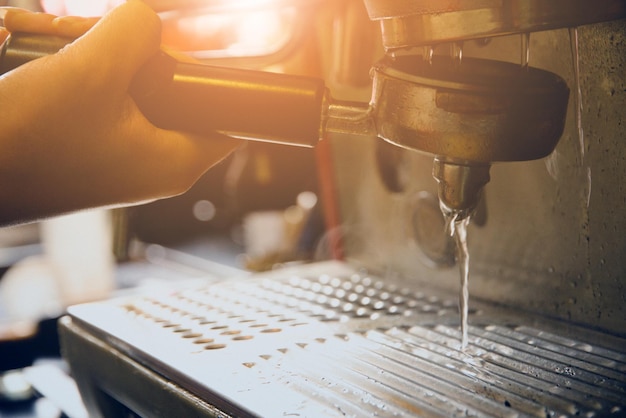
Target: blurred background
257,209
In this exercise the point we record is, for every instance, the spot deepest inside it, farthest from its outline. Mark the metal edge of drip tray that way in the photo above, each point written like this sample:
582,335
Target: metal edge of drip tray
327,339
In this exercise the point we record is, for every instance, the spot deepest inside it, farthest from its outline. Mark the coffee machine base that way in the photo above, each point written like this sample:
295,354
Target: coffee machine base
329,339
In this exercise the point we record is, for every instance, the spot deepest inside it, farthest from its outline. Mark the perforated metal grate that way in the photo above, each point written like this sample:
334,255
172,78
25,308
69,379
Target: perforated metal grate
351,344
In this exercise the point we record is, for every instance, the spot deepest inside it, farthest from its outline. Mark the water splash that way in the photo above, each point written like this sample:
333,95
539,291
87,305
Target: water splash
456,227
429,52
552,165
574,46
573,35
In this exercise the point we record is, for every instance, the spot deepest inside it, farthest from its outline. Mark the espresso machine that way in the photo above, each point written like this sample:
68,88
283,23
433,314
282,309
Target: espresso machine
503,119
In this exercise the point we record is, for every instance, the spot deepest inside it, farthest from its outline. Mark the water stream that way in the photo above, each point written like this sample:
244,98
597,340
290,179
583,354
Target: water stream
457,228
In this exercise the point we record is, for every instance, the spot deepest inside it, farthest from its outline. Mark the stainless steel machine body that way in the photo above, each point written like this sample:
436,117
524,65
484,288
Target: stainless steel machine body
553,236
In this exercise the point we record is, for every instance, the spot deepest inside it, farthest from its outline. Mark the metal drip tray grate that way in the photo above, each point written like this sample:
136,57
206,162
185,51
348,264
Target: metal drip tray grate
324,340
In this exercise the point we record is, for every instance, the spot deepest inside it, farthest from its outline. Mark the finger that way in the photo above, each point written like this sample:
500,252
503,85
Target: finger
4,10
19,20
124,39
73,26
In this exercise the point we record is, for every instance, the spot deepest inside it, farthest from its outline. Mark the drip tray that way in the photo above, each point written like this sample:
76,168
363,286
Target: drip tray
327,340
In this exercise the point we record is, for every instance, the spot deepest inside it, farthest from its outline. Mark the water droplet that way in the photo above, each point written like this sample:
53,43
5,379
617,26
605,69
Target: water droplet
588,186
525,50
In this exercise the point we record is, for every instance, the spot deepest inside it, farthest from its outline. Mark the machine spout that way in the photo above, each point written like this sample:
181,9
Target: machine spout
460,185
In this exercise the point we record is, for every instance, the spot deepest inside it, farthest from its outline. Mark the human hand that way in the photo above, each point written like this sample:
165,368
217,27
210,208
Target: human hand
73,138
4,33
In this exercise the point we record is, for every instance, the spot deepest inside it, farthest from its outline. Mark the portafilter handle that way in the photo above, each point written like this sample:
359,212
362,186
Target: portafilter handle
204,99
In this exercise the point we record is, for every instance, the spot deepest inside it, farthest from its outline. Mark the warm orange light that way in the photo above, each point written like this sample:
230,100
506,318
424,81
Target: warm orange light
222,28
231,28
79,7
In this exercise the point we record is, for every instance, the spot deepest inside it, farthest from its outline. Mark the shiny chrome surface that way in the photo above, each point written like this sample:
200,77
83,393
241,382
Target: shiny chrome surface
467,113
460,185
205,99
17,52
327,340
476,110
429,22
349,118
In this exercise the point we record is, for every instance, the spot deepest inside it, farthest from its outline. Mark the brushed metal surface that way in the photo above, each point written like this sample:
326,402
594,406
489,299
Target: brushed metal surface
328,340
429,22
